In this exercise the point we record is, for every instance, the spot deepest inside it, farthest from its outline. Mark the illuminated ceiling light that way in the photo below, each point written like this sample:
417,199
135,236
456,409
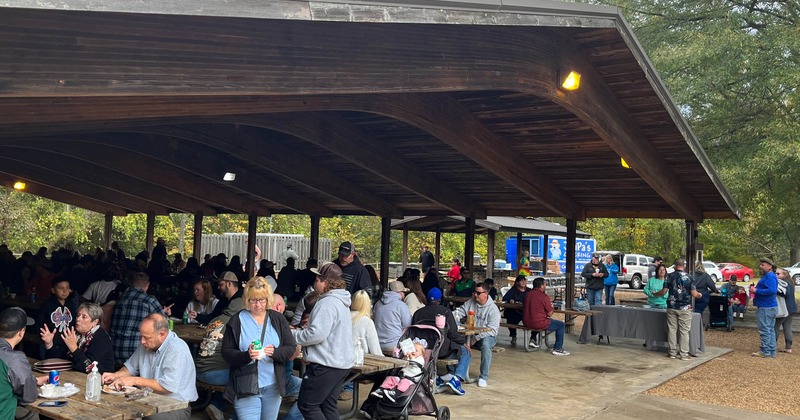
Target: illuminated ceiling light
229,176
624,164
19,185
572,81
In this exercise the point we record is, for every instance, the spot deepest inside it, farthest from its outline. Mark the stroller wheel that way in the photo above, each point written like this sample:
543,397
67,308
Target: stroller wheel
443,413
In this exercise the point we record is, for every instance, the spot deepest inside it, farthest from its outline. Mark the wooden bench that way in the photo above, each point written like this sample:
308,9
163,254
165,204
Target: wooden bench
525,331
210,390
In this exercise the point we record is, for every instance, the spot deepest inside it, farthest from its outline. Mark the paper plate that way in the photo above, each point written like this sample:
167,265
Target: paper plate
111,391
47,365
61,392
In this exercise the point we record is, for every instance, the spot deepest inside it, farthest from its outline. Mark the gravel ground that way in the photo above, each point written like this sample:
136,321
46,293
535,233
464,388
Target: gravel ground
737,379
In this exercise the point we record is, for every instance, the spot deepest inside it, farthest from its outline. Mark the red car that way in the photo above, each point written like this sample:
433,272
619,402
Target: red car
737,271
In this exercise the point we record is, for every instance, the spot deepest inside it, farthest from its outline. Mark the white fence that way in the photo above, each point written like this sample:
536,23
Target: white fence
272,246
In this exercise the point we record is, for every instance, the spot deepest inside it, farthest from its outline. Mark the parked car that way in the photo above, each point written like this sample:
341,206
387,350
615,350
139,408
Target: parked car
794,271
712,270
633,267
734,270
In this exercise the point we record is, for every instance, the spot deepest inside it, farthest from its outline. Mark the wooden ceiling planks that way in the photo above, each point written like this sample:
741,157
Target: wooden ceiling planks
501,141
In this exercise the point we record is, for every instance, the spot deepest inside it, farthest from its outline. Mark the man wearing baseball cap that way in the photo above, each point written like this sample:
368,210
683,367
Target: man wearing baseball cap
353,272
766,300
19,386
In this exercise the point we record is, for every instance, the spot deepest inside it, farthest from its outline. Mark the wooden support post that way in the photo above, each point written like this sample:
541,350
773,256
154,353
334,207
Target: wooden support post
386,231
252,223
438,246
109,222
569,296
197,239
691,246
490,255
469,243
545,247
149,236
404,263
313,252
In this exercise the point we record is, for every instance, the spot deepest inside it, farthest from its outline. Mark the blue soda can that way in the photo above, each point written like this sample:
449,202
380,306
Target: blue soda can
54,378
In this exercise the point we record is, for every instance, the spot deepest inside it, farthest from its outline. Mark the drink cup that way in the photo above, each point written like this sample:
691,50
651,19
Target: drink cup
440,321
48,390
12,295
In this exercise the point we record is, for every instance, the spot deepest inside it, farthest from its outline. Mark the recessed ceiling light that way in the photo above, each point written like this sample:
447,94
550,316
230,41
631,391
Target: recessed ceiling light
229,176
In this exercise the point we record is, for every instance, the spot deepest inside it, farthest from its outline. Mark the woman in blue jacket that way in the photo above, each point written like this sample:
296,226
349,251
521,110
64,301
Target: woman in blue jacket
610,282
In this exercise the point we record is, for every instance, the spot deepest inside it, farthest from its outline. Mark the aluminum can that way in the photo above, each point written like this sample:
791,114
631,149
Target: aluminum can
171,325
54,378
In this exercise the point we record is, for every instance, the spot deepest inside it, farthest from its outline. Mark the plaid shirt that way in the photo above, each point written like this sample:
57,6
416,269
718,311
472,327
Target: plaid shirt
129,312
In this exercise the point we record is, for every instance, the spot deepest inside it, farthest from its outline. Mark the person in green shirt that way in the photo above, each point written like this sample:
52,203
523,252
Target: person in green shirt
465,285
655,291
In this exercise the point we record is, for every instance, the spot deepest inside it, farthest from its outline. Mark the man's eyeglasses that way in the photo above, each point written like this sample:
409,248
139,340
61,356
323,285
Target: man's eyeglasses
254,301
479,293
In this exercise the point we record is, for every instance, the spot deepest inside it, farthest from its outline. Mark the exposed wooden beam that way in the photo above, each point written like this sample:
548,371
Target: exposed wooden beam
86,169
66,197
81,187
159,172
337,135
153,142
250,146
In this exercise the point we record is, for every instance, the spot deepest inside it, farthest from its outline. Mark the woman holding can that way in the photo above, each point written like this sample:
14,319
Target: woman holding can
257,335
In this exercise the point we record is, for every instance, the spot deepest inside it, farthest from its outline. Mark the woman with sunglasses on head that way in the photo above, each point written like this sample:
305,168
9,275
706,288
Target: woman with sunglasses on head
270,328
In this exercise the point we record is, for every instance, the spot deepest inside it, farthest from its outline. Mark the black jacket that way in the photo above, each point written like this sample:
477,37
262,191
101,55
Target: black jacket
237,358
594,283
427,315
355,275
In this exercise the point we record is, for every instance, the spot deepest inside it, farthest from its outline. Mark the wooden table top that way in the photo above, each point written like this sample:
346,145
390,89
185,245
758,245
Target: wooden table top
110,407
190,333
473,331
507,305
374,363
23,302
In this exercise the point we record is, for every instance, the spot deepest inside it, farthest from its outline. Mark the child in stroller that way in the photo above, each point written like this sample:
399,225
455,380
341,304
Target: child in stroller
409,375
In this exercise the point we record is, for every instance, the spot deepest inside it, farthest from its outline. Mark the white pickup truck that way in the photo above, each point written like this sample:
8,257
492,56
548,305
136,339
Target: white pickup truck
633,267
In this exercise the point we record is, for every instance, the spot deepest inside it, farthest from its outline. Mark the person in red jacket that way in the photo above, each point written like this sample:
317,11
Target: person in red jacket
537,313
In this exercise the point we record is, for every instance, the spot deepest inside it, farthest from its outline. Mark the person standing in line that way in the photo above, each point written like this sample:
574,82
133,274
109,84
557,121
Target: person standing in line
593,274
610,282
525,264
704,284
426,259
679,310
652,267
766,300
791,308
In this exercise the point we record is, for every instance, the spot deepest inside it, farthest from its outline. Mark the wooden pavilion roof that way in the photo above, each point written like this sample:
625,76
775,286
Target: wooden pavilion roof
350,107
457,224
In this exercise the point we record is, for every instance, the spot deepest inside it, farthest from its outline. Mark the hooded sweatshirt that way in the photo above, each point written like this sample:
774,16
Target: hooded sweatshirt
328,340
391,317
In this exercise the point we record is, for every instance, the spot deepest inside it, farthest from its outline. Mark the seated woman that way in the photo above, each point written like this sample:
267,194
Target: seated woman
85,343
394,386
204,300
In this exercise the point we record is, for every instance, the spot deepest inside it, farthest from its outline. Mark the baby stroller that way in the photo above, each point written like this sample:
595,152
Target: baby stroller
718,313
418,399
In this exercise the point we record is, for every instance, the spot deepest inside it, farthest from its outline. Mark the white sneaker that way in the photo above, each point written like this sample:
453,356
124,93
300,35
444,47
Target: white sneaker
482,383
741,315
533,344
560,352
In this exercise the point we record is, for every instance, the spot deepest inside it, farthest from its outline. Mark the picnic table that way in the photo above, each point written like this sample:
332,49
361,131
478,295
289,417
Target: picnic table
372,364
110,407
190,333
22,301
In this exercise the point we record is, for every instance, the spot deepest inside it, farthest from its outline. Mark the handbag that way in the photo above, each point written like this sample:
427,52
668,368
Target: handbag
783,312
245,378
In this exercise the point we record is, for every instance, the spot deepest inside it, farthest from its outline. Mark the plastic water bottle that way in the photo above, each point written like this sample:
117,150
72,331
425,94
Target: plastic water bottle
359,353
471,320
94,384
33,294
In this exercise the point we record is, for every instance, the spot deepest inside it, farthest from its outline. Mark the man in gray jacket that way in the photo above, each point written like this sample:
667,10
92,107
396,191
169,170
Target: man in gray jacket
20,386
486,315
328,345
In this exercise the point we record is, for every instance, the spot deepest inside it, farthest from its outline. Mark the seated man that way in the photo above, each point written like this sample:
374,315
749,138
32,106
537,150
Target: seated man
486,315
134,305
537,313
18,386
162,362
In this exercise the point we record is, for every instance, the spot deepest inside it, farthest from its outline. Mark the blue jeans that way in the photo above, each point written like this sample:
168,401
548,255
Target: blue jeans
486,345
216,377
766,330
595,297
730,315
558,327
464,357
610,294
265,405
